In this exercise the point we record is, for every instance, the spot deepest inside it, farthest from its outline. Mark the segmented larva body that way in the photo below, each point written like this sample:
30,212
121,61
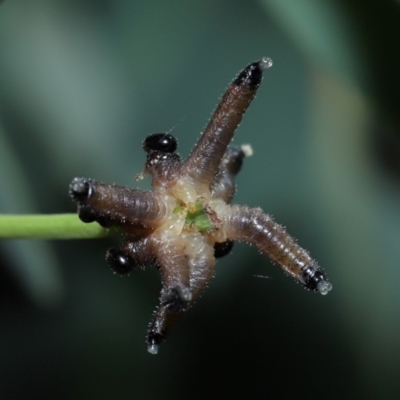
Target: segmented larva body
112,205
255,227
201,256
203,162
187,220
223,184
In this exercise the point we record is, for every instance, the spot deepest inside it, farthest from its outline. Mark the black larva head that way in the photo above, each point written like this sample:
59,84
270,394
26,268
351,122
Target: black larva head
87,214
163,142
118,261
223,249
80,189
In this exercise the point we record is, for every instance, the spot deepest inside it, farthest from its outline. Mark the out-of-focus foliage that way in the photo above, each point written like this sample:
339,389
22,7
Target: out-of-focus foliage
83,82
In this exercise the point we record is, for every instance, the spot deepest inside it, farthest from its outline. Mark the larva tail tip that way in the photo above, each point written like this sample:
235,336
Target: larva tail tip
324,287
153,348
265,63
80,189
247,150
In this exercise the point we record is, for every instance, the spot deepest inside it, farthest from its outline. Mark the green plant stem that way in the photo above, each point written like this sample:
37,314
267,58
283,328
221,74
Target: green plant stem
54,226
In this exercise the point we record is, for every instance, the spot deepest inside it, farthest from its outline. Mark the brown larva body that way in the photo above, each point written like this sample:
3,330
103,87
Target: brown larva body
223,184
112,205
187,220
204,160
255,227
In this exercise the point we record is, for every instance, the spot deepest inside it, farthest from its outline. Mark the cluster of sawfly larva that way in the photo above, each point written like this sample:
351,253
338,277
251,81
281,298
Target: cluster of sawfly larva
188,221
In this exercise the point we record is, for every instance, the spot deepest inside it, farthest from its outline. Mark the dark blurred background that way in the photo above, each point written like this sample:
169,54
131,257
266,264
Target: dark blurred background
83,82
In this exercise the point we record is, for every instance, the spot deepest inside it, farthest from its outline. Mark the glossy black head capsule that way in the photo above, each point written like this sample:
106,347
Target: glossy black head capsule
163,142
251,76
223,249
119,261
